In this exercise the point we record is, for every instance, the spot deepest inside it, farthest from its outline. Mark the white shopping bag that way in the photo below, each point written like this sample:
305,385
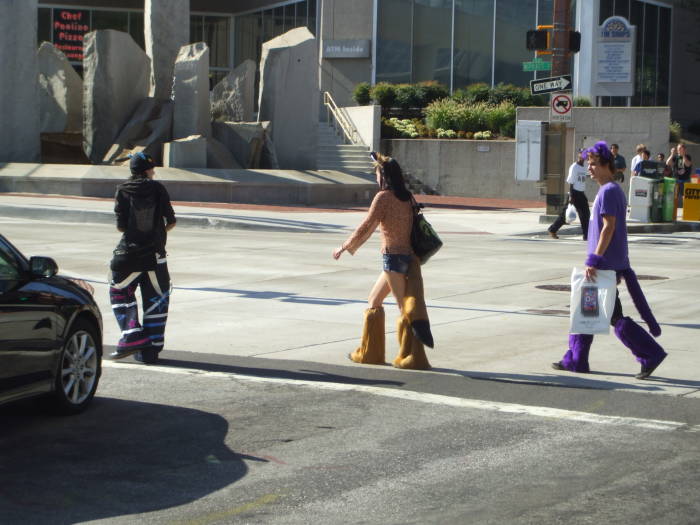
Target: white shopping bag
592,303
570,213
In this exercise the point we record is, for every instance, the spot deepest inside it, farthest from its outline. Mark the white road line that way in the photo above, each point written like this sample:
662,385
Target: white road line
421,397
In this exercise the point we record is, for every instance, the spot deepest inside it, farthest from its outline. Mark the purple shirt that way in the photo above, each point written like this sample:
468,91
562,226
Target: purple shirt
610,201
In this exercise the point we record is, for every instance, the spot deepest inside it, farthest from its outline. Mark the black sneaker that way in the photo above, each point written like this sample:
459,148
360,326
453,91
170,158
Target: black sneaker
558,366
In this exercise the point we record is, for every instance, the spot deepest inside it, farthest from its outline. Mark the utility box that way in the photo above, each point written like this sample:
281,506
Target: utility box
529,150
640,198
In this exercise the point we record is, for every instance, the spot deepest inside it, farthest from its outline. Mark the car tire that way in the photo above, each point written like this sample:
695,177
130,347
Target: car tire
79,369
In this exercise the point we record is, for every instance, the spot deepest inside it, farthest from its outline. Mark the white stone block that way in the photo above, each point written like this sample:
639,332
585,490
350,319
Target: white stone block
190,152
60,92
191,92
166,30
232,98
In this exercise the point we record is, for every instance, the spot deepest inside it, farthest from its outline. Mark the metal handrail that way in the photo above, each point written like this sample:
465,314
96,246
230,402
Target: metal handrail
339,119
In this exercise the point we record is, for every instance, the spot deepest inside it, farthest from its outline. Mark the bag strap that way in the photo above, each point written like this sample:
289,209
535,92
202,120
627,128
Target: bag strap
416,207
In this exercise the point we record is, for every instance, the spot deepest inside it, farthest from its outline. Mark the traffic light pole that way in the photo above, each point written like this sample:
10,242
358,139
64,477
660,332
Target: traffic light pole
555,166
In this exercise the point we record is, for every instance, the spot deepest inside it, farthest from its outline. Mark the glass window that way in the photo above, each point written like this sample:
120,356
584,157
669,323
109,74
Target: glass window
268,25
622,8
217,36
637,19
649,55
136,28
278,21
664,58
473,43
44,25
196,28
513,19
311,20
248,38
607,9
290,16
118,20
394,41
302,13
545,12
432,41
9,270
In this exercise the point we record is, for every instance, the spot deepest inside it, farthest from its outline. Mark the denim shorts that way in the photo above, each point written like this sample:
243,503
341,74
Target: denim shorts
396,262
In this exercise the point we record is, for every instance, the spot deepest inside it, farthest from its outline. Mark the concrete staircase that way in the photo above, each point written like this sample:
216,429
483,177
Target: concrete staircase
334,154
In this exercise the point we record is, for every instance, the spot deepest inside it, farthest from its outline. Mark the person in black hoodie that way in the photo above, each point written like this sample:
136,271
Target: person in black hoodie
144,215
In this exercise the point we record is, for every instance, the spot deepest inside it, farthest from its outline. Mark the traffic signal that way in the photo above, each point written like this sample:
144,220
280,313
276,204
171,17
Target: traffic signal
537,40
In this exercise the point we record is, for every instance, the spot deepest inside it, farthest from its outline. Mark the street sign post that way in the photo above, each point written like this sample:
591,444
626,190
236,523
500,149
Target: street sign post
537,65
550,85
560,107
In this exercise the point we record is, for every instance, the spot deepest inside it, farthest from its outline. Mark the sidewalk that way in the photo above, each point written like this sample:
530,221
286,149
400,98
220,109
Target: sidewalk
463,215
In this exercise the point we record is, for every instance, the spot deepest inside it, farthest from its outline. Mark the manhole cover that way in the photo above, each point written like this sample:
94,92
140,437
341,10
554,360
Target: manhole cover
555,287
651,277
548,312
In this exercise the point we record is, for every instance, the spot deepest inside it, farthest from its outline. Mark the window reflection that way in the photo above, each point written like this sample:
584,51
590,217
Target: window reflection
432,41
473,43
394,41
513,19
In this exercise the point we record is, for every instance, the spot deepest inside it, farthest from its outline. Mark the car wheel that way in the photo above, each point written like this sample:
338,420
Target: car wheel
79,369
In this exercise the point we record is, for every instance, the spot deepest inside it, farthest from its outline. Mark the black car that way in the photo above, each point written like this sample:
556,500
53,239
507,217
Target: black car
50,333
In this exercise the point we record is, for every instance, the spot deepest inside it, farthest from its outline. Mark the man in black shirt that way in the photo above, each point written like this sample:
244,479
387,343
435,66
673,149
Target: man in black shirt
144,216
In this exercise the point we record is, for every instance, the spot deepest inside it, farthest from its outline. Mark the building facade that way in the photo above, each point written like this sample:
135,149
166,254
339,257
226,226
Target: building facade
456,42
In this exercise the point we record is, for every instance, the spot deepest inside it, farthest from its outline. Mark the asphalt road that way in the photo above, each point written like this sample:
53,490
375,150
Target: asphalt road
247,420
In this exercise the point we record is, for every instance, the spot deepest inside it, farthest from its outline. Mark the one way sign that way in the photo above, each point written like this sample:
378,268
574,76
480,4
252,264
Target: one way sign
550,85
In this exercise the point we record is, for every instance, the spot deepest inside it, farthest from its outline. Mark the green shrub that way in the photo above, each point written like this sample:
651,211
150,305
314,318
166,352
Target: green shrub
474,93
471,117
446,133
582,102
502,92
482,135
674,131
498,117
383,94
361,94
442,114
408,96
430,91
403,128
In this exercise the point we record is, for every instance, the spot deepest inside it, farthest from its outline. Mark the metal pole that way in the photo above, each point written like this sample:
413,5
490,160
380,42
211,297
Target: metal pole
556,136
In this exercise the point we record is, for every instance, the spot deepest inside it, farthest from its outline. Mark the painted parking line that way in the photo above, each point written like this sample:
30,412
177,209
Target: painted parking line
436,399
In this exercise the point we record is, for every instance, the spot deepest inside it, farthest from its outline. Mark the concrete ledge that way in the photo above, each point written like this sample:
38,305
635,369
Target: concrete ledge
107,217
196,185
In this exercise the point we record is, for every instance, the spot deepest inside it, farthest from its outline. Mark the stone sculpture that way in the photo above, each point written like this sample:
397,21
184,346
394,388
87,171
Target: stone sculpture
289,97
19,104
116,80
244,139
191,92
190,152
147,130
60,92
166,30
232,98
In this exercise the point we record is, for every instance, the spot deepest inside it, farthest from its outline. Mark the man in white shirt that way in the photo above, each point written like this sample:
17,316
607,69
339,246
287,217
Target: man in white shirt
637,158
578,174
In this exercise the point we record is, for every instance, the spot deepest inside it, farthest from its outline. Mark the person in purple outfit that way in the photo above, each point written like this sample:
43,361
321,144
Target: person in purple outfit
607,250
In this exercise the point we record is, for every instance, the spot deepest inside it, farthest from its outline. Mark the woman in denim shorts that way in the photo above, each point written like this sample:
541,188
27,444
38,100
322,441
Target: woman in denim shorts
392,212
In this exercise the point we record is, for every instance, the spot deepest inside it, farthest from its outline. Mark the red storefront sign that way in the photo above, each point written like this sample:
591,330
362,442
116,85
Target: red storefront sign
69,28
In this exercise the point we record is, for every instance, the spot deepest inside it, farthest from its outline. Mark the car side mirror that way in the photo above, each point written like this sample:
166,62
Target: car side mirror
43,267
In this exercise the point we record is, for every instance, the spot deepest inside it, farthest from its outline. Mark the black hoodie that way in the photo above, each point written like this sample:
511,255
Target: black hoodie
143,208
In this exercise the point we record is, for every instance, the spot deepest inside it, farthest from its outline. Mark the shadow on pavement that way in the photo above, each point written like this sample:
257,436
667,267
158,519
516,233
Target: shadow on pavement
581,381
301,374
117,458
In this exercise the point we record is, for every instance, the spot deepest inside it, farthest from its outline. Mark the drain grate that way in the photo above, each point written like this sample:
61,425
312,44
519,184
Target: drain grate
548,312
661,242
651,277
555,287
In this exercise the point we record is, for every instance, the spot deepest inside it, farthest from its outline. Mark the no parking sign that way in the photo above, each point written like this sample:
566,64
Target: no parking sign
560,107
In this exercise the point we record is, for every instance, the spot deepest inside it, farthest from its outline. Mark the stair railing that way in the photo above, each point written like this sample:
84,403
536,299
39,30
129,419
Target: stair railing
340,120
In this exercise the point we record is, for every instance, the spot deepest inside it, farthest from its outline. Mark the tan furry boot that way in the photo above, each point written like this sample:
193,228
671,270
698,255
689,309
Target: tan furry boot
372,346
411,350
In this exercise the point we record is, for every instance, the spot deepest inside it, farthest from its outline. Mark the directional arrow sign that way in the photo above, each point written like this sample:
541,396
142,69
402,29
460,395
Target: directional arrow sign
550,85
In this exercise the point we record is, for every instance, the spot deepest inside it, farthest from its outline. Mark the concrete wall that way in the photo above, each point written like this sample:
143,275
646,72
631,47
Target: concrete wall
367,122
624,126
464,168
344,20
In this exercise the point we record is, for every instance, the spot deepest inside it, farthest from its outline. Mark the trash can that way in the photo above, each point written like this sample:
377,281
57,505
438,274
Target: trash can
640,199
657,201
669,200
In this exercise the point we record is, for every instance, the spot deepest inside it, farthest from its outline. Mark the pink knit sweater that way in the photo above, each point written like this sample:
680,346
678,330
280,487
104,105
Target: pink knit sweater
394,218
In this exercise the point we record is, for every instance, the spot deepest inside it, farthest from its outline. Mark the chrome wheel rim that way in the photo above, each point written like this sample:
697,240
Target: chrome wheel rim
79,367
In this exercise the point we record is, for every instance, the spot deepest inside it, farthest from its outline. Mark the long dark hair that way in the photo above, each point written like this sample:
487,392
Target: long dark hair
392,179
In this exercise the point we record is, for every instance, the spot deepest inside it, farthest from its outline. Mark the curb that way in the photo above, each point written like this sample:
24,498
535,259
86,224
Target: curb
102,217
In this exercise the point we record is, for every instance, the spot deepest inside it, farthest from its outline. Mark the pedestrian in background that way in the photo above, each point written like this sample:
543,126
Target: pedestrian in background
661,159
577,196
638,167
620,163
607,250
144,216
392,211
638,157
681,165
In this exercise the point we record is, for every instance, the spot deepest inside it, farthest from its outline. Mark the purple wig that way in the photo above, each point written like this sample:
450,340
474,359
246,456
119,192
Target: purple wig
601,150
